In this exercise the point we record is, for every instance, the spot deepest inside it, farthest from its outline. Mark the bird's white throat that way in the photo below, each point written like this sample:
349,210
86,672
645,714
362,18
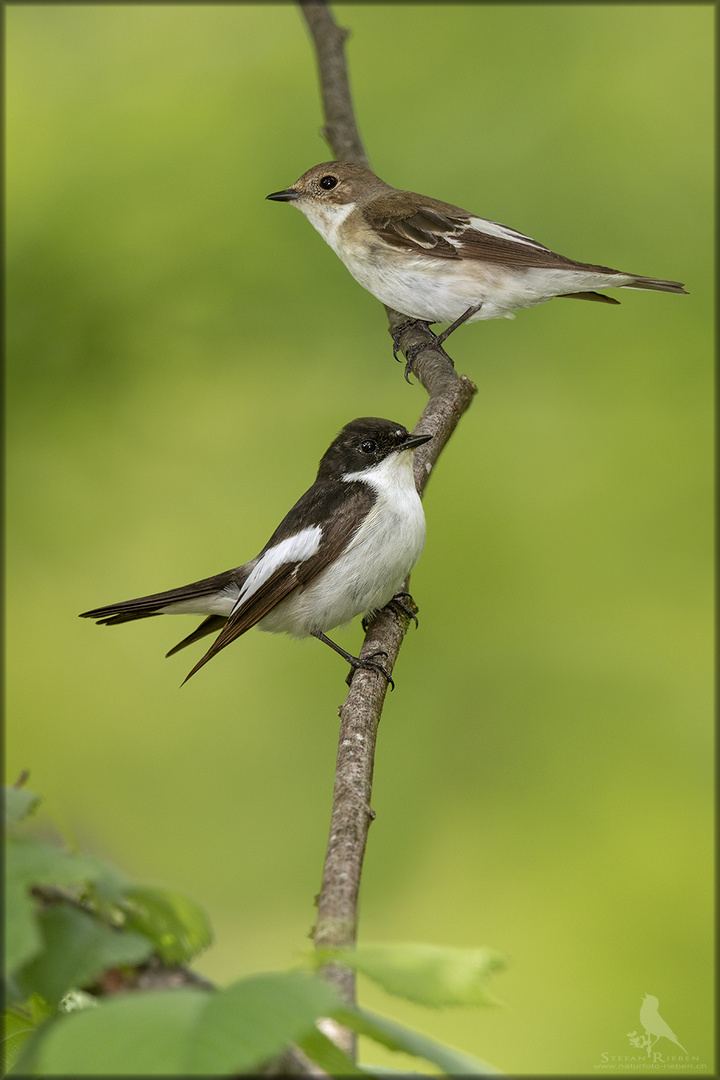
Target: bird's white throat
326,218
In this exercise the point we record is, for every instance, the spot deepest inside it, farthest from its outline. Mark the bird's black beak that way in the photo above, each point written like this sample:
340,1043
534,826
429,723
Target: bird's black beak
284,196
413,440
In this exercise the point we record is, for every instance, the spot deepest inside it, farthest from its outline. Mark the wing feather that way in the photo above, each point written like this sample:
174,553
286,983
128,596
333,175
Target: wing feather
341,511
428,233
427,227
443,231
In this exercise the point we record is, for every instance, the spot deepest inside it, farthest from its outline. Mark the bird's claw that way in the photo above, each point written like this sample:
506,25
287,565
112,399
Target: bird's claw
397,332
369,665
413,351
398,606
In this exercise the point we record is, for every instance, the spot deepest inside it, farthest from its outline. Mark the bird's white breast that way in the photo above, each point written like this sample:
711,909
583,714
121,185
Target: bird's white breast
374,565
440,289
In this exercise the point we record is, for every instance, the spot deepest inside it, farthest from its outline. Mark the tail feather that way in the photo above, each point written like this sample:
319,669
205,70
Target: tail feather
197,596
657,285
115,620
207,626
597,296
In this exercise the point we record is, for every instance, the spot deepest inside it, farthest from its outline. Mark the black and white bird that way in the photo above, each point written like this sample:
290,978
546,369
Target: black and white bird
435,262
344,549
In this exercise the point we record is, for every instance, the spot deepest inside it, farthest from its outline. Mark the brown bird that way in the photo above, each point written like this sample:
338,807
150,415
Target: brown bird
435,262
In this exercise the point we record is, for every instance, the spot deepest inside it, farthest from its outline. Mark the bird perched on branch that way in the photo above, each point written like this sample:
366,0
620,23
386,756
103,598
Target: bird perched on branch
344,549
435,262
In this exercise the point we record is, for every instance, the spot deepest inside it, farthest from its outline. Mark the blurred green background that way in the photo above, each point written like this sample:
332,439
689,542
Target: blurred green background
181,352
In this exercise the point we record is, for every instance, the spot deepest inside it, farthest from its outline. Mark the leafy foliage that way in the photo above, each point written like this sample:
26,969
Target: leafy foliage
256,1018
178,929
428,974
70,919
143,1033
76,949
77,933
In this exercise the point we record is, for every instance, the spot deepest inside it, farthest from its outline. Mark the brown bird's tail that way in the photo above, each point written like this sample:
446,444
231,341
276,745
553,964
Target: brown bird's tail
657,285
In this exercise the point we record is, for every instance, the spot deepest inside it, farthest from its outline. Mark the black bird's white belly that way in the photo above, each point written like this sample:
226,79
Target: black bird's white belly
375,563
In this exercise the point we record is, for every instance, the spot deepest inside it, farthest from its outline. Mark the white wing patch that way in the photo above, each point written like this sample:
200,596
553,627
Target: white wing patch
373,565
294,549
494,229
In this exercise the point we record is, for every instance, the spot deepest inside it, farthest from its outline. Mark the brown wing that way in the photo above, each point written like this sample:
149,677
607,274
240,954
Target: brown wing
426,233
425,228
476,244
338,527
411,222
414,223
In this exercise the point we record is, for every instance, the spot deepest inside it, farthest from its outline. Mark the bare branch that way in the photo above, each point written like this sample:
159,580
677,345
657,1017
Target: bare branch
340,130
449,397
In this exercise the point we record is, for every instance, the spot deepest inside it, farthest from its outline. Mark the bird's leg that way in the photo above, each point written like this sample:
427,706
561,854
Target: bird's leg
413,350
398,332
398,606
473,310
354,661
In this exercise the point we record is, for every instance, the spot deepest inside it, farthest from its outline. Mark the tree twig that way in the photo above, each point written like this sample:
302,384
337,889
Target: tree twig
340,130
449,397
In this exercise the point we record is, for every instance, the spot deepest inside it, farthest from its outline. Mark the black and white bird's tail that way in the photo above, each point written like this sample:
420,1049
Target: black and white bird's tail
198,598
211,625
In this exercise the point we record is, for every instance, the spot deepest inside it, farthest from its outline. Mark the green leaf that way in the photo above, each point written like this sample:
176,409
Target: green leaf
22,937
34,862
17,1026
77,948
19,1022
401,1039
106,892
255,1019
38,1009
178,928
18,804
323,1051
428,974
134,1034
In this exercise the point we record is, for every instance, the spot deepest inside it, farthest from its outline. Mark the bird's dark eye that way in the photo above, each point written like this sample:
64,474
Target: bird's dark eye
328,182
369,446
